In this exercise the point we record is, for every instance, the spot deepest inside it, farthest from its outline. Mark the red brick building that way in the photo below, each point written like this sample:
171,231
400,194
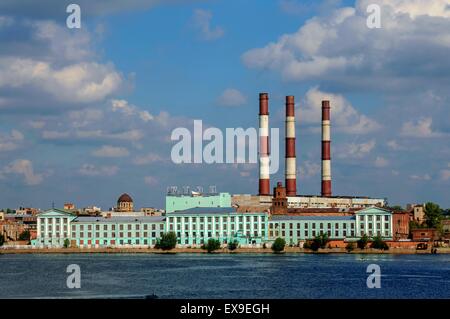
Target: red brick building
400,225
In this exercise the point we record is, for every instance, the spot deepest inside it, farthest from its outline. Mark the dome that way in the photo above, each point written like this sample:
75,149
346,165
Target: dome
125,198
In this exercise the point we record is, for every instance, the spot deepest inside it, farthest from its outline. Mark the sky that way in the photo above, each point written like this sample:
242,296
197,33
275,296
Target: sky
87,114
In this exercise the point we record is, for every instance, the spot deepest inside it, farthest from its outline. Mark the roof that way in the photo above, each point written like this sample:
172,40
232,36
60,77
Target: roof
208,210
125,198
141,219
313,218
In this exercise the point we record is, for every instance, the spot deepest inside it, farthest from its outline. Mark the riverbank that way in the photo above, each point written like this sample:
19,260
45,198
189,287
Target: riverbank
220,251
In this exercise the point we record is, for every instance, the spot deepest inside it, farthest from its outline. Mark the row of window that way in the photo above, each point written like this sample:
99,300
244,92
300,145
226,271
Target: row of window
240,226
371,217
307,234
225,219
217,234
104,234
313,225
370,226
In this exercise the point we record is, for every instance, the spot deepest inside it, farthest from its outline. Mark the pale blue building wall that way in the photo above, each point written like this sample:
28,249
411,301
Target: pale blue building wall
182,202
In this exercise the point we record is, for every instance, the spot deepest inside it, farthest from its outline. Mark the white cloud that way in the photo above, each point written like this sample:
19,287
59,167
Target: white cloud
393,145
111,151
82,82
85,117
10,142
339,47
128,109
24,167
36,124
445,174
148,159
308,169
150,180
343,115
232,97
92,170
380,161
355,150
425,177
202,22
420,128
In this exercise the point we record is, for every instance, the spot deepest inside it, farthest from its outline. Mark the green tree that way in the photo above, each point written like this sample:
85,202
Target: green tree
2,240
362,242
350,247
378,243
396,207
321,240
25,235
212,245
167,241
433,215
66,243
232,245
278,245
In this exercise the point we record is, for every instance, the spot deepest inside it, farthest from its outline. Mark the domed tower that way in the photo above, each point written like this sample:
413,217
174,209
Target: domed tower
125,203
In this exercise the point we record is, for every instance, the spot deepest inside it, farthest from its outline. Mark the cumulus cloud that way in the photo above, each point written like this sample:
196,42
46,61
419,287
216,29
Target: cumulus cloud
345,118
356,150
202,22
111,151
11,141
128,109
232,97
339,48
420,128
23,167
92,170
150,180
308,169
81,82
424,177
148,159
380,162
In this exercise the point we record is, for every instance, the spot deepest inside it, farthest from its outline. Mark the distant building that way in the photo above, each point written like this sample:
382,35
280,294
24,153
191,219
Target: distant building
417,212
69,206
125,203
176,202
400,225
151,211
424,234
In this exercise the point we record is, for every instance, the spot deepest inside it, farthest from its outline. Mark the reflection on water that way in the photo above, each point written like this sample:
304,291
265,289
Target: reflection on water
225,276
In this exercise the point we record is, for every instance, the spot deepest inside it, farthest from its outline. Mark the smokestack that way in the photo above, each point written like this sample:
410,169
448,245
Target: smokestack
326,158
264,178
290,164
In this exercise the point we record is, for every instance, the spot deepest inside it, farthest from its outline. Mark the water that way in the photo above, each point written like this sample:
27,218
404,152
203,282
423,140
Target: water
225,276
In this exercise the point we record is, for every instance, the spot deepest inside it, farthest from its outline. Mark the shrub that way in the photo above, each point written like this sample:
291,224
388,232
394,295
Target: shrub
350,247
321,241
264,246
2,240
167,241
278,245
232,245
66,243
211,245
362,242
378,243
25,235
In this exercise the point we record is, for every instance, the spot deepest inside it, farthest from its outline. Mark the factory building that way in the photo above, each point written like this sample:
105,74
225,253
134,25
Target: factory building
175,201
263,201
196,225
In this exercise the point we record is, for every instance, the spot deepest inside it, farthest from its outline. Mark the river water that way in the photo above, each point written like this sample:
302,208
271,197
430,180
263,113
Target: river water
224,276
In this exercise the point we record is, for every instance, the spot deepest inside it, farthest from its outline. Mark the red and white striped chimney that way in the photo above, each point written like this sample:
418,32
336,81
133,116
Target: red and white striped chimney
290,164
326,158
264,177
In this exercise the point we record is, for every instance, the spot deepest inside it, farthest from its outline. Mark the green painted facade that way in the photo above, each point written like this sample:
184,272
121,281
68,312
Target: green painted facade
182,202
195,226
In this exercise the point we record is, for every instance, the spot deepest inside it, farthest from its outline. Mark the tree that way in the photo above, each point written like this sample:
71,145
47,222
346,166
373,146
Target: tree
350,247
167,241
362,242
212,245
66,243
397,208
321,240
2,240
278,245
232,245
433,215
25,235
378,243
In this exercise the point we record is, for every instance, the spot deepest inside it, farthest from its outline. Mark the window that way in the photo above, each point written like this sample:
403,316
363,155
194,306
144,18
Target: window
378,218
386,225
386,217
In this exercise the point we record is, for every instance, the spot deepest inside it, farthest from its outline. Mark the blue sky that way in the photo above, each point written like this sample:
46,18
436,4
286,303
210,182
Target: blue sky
86,114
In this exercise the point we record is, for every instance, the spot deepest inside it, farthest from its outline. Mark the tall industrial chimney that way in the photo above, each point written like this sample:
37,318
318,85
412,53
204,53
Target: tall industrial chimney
326,158
290,164
264,178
